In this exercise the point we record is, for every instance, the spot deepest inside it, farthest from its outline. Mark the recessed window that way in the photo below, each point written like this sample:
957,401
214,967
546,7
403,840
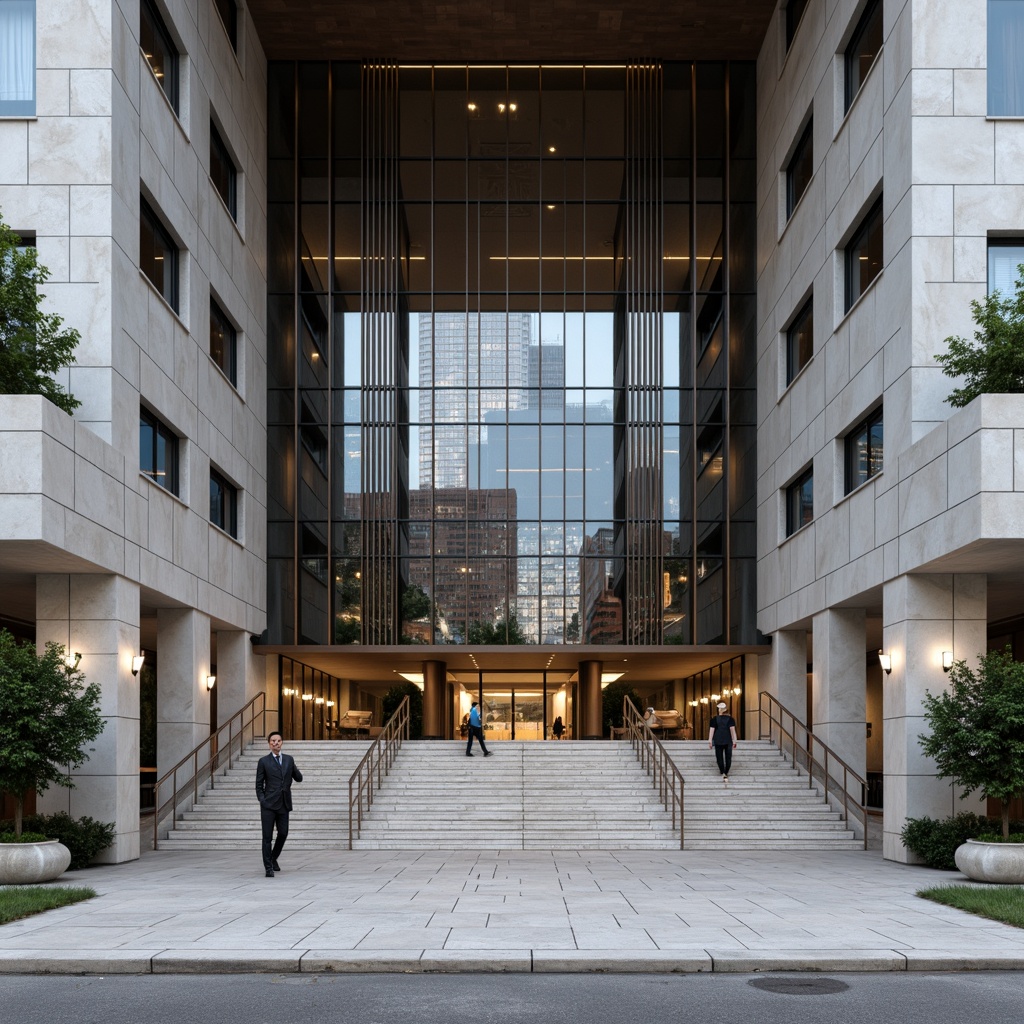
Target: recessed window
1006,58
799,502
223,341
864,255
223,504
800,340
158,451
864,450
794,12
1004,259
222,171
800,169
228,11
158,255
17,58
160,51
863,49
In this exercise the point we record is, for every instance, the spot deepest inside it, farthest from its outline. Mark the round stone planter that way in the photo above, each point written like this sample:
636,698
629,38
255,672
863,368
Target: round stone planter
28,863
991,862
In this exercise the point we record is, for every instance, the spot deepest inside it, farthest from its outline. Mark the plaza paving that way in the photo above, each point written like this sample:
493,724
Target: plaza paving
639,911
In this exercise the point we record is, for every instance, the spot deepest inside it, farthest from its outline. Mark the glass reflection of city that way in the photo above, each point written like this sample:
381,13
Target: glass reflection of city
511,370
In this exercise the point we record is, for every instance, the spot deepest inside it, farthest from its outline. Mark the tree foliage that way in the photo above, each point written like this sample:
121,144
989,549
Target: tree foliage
393,699
47,715
500,633
611,703
33,345
993,363
977,729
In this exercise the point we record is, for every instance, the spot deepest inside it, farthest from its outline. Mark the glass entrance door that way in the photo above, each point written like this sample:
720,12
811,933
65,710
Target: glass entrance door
514,712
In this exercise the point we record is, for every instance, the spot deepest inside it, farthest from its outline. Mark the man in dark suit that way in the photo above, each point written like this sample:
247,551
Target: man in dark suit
274,775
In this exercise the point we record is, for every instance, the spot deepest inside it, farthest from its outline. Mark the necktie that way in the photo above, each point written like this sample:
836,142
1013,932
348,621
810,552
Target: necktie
278,756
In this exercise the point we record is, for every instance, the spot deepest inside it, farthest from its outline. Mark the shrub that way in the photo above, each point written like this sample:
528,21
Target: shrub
611,703
393,698
935,839
25,837
84,837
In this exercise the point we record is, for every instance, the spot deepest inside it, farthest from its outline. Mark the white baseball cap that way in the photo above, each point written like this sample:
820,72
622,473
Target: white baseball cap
722,705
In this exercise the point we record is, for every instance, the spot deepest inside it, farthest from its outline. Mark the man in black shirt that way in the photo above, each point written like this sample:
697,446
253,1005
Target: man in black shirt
723,738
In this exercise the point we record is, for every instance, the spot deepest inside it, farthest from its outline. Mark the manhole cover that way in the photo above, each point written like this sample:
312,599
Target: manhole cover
800,986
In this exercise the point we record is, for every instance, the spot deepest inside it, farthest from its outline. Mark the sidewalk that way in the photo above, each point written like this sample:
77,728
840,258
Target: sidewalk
642,911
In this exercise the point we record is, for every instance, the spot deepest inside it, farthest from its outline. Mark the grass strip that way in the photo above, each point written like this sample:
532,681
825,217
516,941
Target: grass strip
998,902
25,900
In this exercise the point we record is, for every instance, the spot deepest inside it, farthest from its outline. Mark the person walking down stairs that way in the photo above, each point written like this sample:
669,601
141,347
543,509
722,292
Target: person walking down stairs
723,737
476,729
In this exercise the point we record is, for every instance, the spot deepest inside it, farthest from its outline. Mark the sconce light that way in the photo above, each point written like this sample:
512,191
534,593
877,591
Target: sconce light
694,703
885,660
210,681
137,662
704,700
716,696
307,696
947,660
71,661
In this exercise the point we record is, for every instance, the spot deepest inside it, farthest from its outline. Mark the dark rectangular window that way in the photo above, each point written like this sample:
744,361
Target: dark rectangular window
794,12
864,255
800,169
223,504
222,171
1005,257
864,449
228,11
158,255
864,46
158,451
17,58
799,502
800,340
160,51
1006,58
223,341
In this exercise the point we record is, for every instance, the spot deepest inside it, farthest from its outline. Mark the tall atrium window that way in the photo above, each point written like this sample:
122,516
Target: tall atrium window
223,341
863,49
864,255
794,12
864,450
800,340
223,504
228,11
799,502
158,451
158,255
1005,256
800,169
1006,58
222,172
17,58
160,51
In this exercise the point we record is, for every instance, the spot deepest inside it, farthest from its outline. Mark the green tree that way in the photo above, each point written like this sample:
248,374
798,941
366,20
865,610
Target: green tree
993,363
611,703
393,699
47,715
500,633
977,729
33,345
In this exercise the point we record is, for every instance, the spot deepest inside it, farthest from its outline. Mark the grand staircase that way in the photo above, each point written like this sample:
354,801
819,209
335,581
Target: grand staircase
527,796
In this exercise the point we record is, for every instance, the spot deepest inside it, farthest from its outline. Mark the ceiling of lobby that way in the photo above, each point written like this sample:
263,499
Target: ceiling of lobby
423,31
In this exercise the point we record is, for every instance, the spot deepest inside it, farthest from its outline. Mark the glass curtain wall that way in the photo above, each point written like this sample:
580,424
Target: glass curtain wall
511,393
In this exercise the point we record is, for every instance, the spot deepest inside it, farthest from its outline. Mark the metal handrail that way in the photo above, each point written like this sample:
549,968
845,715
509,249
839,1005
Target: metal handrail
374,767
240,729
655,760
821,763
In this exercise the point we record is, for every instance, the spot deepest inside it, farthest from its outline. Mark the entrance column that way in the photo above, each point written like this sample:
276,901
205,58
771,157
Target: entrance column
590,712
182,700
839,684
922,617
434,674
98,616
237,681
786,679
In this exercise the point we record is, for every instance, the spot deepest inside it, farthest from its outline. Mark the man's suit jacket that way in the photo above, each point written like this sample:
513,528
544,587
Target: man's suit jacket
274,784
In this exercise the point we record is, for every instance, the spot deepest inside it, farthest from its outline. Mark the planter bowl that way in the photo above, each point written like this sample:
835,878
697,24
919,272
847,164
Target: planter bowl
991,862
28,863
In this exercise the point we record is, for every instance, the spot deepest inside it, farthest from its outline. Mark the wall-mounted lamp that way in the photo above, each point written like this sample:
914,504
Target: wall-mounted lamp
210,682
947,660
71,661
137,662
885,660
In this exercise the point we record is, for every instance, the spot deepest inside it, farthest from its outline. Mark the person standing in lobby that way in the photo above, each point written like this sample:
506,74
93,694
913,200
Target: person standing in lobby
274,774
476,728
723,737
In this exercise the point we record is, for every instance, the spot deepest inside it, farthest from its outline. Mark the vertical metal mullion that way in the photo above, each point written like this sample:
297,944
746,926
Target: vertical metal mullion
331,245
693,354
727,403
296,368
